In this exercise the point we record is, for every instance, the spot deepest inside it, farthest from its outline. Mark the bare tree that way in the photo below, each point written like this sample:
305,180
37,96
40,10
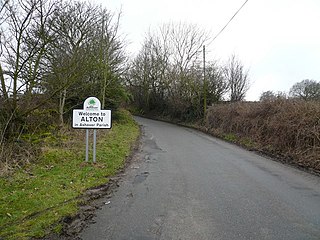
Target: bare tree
186,42
166,69
24,45
148,76
268,96
86,58
237,78
139,79
54,53
306,90
217,84
74,30
3,4
111,54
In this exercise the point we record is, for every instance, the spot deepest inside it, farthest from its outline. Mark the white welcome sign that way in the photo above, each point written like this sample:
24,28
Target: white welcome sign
91,116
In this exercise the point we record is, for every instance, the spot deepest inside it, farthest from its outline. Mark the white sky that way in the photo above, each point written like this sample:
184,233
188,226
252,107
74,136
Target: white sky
277,40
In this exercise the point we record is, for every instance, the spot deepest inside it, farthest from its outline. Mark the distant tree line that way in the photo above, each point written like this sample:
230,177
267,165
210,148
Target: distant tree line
54,54
307,90
169,77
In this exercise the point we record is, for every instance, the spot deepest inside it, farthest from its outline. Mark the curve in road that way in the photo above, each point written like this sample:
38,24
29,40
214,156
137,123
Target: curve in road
184,184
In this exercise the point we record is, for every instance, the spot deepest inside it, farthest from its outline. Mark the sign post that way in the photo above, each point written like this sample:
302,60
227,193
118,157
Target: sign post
91,117
94,144
87,145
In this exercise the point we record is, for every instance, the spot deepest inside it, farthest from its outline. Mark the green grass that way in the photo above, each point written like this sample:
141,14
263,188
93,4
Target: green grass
247,142
230,137
34,199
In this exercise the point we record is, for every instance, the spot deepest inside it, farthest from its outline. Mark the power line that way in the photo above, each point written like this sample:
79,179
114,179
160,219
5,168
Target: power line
230,20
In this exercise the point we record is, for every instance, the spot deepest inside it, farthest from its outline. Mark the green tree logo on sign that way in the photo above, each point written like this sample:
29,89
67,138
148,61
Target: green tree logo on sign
92,102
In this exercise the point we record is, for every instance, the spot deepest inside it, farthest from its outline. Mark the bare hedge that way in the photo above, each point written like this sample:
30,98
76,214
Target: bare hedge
286,128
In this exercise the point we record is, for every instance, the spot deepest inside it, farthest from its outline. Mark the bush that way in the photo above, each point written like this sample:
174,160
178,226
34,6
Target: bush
21,134
287,128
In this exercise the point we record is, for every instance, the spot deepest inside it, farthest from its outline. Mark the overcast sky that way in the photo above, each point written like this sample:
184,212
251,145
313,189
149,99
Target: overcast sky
277,40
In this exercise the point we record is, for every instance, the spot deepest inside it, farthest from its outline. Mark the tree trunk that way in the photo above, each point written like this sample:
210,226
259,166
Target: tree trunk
3,84
62,100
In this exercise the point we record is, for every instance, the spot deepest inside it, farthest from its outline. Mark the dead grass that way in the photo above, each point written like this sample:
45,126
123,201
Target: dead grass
285,128
14,155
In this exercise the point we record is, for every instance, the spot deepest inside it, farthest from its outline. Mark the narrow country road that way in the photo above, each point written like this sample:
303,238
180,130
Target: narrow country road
184,184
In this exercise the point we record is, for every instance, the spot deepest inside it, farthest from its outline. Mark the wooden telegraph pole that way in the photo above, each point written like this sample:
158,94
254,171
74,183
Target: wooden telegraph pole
204,82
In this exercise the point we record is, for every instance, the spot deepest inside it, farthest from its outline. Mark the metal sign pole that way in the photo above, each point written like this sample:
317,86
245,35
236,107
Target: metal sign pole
87,145
91,117
94,144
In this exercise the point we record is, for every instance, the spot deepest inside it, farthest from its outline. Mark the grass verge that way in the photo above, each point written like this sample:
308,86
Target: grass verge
35,198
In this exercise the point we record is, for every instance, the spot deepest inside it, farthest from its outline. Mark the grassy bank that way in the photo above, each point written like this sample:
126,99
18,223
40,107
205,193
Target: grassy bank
36,198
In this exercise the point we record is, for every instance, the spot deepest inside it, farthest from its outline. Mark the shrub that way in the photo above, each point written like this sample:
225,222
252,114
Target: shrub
289,128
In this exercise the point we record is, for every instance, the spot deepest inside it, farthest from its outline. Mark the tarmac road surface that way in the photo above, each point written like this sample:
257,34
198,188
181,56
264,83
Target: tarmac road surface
184,184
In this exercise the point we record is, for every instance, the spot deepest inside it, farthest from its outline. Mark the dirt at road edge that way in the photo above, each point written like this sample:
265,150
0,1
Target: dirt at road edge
93,199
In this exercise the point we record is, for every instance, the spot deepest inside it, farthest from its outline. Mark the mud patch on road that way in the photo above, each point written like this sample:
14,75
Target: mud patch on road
91,201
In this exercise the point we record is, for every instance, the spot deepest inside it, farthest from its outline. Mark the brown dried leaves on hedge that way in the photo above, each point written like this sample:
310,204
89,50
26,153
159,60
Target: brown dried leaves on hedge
287,128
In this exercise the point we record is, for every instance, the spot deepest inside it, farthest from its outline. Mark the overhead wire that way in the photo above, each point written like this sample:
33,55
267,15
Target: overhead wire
229,20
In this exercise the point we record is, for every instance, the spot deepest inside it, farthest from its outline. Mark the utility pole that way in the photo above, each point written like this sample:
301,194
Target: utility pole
103,63
204,82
